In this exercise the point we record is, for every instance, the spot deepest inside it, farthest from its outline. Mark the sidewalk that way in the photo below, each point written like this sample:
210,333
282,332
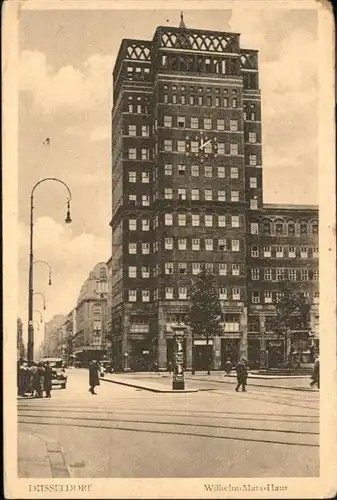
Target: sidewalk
139,382
161,382
40,456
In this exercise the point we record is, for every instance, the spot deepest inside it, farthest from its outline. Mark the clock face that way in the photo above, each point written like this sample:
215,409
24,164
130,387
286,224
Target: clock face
203,144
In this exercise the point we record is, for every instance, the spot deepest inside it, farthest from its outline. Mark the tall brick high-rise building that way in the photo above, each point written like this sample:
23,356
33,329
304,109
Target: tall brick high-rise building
186,190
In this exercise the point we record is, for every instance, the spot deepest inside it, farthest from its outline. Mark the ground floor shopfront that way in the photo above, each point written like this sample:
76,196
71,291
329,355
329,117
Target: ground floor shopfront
142,339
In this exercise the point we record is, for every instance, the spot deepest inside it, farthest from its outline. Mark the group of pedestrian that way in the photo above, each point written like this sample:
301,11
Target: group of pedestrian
34,379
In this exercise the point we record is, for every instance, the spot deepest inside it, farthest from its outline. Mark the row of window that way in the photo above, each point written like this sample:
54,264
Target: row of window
207,195
281,274
195,244
280,252
193,146
286,229
195,171
138,108
139,130
140,154
221,244
223,269
270,296
199,100
171,293
191,88
184,268
207,171
209,220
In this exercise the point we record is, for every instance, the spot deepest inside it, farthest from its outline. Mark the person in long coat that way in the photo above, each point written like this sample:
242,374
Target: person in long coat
241,374
47,379
93,376
228,366
315,374
38,381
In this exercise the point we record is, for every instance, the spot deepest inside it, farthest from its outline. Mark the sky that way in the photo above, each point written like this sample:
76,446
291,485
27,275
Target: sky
66,64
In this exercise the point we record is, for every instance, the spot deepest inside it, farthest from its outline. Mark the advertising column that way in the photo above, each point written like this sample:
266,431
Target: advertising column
178,382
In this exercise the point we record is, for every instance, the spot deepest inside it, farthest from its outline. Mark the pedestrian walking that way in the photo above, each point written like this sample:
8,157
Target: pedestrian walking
93,376
228,367
47,379
169,367
23,379
315,374
38,381
241,374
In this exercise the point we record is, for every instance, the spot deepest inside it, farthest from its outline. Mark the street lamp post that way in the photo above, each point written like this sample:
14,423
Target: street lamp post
30,347
43,298
40,313
46,263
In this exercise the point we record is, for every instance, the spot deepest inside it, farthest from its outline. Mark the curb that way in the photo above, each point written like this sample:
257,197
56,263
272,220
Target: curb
265,386
150,389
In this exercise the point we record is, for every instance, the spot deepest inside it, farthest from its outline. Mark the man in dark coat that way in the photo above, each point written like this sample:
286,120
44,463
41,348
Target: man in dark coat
315,374
47,379
93,376
38,381
241,374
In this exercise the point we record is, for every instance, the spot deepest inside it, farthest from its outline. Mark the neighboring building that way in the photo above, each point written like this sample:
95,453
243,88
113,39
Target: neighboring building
54,336
106,320
20,348
70,330
88,341
186,191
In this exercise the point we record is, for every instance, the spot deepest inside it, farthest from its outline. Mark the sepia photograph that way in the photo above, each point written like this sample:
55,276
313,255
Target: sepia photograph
170,209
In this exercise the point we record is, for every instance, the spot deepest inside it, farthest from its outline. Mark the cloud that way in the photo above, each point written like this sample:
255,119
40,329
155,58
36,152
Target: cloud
100,133
67,88
96,134
71,257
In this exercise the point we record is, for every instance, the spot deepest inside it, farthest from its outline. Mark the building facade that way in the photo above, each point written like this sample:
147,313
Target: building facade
54,336
187,188
90,310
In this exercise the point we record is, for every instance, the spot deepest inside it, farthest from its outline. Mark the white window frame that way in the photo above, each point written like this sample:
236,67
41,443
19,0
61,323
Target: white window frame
145,224
132,248
145,248
254,228
195,220
168,219
145,177
182,243
235,196
208,220
196,244
235,245
168,168
182,220
222,269
168,244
